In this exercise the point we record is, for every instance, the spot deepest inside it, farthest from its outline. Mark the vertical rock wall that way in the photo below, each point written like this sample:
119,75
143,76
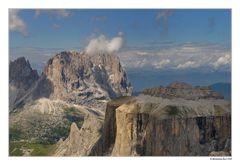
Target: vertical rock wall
144,134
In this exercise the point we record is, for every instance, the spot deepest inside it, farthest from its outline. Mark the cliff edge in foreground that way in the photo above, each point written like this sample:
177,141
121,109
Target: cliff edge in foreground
158,126
155,126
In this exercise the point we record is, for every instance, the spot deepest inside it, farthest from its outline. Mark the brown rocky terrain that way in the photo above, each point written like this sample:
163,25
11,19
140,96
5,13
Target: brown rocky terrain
140,133
79,78
74,89
96,137
72,86
160,127
182,90
155,126
80,142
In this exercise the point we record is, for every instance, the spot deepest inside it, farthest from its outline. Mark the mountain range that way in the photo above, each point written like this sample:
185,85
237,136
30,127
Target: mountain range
82,105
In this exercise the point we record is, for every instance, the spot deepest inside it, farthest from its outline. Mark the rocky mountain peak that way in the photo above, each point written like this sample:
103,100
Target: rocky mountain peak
21,78
21,74
79,78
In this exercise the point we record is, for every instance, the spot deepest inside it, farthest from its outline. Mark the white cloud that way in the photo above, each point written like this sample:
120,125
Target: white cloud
188,64
224,60
103,45
16,23
181,56
58,13
162,63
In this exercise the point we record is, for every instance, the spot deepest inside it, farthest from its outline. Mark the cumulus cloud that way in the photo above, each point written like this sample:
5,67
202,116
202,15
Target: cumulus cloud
58,13
222,61
162,63
16,23
102,44
188,64
202,56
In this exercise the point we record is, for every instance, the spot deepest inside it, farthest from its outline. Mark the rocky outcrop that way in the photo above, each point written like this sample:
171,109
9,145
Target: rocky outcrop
73,88
178,120
79,78
182,90
21,78
69,96
104,145
21,74
141,134
86,80
153,126
81,142
96,137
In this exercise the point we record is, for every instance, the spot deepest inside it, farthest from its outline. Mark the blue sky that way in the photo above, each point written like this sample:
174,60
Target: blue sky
162,40
140,27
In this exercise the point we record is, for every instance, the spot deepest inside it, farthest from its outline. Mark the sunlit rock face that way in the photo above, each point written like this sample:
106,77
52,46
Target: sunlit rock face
82,79
155,126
